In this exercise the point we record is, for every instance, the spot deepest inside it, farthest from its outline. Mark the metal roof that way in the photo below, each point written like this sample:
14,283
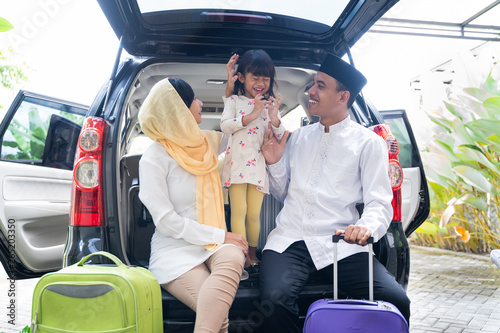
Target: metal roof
459,19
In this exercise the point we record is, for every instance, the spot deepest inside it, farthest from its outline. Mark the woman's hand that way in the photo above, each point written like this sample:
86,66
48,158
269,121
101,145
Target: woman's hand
238,240
231,74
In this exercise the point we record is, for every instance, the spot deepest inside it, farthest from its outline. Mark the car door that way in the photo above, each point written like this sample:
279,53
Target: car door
414,193
38,138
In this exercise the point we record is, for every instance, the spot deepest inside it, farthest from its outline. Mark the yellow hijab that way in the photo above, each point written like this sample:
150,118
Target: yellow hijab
164,117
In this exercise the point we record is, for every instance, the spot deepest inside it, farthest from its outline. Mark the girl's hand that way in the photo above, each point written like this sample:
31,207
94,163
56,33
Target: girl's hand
238,240
273,110
260,104
231,74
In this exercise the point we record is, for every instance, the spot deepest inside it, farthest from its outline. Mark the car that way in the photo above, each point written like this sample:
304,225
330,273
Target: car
69,172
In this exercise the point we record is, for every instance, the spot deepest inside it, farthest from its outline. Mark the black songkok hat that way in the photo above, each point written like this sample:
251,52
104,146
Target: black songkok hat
343,72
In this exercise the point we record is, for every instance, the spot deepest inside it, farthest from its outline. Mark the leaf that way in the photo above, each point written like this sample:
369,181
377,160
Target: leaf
475,179
26,329
433,219
38,129
475,106
463,136
489,127
19,136
434,178
472,147
450,154
492,105
5,25
442,123
471,164
490,85
478,203
480,94
439,165
11,144
450,108
478,135
427,228
473,153
494,140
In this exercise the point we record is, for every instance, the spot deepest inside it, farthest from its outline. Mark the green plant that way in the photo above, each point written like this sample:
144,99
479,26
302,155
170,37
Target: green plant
463,171
26,329
12,73
5,25
29,141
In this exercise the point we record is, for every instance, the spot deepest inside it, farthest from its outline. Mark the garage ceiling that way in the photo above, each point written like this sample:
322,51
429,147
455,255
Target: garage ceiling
461,19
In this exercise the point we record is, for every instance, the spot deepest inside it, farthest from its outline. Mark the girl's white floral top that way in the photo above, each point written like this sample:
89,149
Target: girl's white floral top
243,160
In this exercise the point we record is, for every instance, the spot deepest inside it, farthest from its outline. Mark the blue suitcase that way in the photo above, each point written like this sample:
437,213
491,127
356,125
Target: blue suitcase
324,316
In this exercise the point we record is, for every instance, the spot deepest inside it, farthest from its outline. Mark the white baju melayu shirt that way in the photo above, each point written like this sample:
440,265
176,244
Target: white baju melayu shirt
321,178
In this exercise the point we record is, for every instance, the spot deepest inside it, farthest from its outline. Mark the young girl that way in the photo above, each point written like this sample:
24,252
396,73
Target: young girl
246,116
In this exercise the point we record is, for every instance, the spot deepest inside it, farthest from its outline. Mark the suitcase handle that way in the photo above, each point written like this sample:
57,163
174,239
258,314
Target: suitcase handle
369,241
336,238
351,301
108,255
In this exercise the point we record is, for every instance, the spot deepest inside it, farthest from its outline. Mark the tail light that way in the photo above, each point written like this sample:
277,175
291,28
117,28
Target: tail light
87,208
395,170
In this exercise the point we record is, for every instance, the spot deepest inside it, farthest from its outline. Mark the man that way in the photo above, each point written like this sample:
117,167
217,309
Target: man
321,174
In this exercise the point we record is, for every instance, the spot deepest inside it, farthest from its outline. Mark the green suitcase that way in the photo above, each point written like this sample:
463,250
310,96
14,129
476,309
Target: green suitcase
97,298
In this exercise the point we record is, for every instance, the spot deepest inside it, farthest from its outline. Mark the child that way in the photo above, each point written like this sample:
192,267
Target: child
246,116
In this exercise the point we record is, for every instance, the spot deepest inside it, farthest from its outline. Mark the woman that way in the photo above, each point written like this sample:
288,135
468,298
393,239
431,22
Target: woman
192,255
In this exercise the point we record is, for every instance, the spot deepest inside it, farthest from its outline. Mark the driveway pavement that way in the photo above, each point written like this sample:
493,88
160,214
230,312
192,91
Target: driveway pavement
453,292
450,292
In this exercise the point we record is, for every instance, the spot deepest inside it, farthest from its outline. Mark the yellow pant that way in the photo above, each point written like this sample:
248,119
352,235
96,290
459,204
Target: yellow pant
246,202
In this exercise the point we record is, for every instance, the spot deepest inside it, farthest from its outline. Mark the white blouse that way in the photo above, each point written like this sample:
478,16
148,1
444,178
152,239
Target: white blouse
321,178
169,193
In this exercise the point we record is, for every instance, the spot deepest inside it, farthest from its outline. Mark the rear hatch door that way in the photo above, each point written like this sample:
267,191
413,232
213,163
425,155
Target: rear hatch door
288,30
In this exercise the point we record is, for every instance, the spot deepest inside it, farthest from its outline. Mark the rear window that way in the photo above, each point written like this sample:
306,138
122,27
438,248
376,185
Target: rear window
325,12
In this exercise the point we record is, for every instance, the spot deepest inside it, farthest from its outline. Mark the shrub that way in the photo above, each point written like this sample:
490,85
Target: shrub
463,170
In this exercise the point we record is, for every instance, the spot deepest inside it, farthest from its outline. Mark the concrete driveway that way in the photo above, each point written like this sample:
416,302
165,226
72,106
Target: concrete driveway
450,292
453,292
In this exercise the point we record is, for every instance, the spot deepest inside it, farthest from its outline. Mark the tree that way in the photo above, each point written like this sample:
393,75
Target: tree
11,73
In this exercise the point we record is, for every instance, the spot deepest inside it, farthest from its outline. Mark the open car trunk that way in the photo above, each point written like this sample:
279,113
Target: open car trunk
137,226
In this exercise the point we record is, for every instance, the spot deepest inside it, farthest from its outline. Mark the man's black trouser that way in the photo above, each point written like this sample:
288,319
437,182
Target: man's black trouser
283,276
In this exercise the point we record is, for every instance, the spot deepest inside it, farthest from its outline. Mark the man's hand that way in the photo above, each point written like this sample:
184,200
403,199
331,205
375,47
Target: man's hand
272,149
231,74
355,234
